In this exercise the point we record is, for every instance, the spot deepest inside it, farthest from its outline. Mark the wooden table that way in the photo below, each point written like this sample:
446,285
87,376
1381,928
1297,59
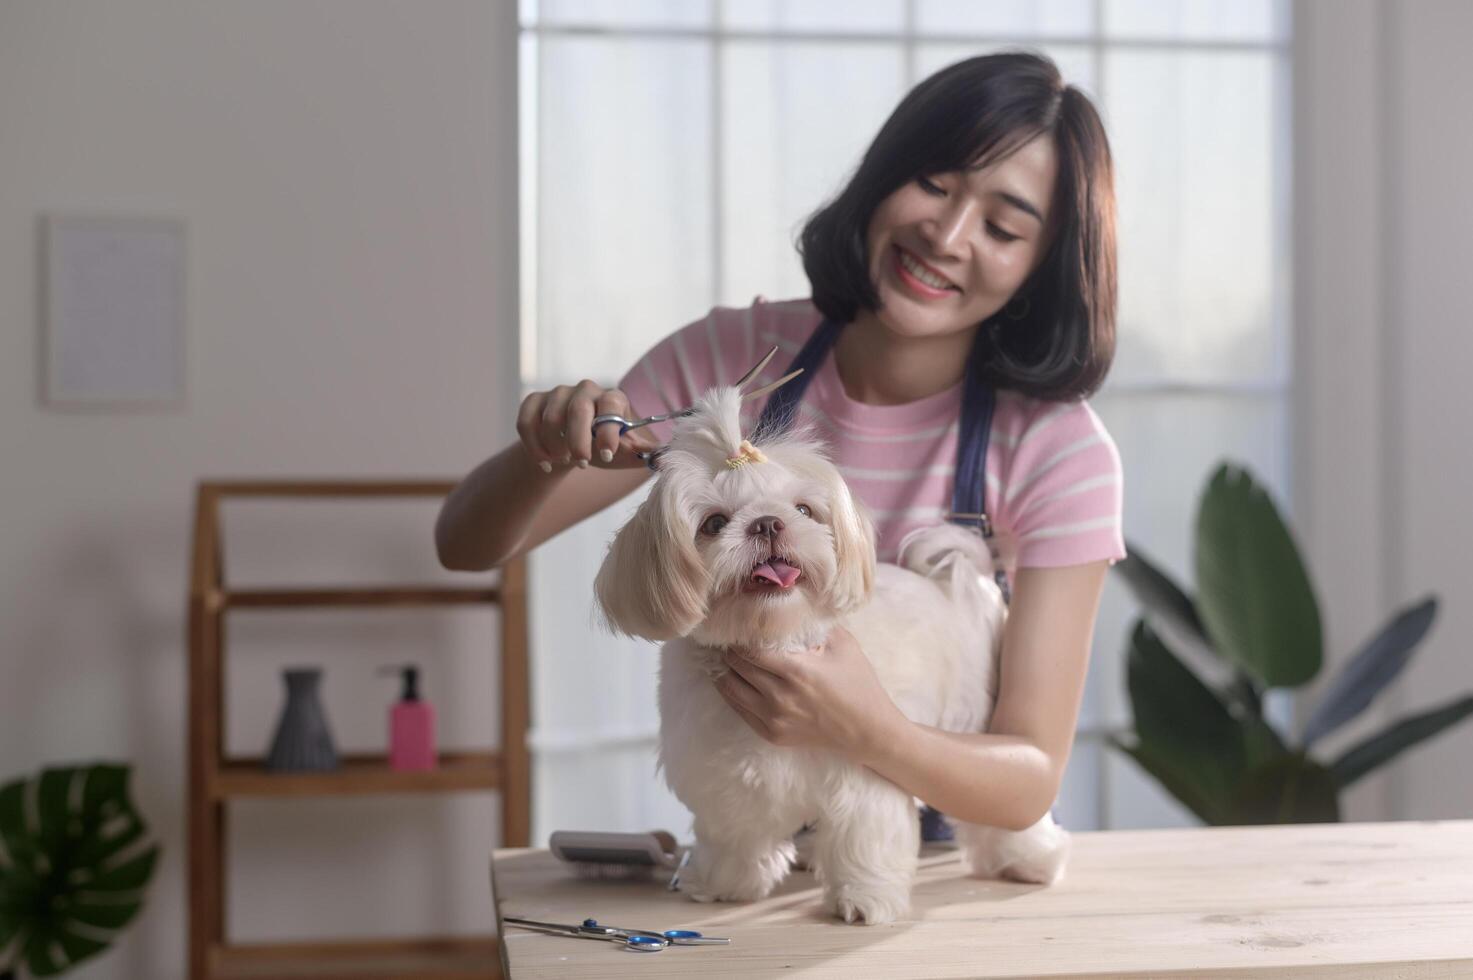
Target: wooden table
1341,901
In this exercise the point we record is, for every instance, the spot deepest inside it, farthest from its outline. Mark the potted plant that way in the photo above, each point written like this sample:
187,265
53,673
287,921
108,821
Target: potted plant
1252,625
73,867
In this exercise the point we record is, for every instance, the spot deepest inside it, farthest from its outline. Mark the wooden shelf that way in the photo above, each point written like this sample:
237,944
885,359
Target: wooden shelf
469,958
360,775
377,596
214,779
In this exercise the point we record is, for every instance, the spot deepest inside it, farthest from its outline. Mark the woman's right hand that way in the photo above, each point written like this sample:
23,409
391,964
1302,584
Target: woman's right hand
556,428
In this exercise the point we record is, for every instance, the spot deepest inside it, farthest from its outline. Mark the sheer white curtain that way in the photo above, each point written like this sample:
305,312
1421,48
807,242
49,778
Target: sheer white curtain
671,149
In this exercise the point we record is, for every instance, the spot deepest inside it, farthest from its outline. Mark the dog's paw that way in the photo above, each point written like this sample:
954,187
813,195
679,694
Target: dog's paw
721,875
698,891
690,892
870,907
1036,856
1042,869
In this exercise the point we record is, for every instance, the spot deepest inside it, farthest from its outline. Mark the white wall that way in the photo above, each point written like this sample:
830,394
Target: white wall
1386,335
347,171
1428,348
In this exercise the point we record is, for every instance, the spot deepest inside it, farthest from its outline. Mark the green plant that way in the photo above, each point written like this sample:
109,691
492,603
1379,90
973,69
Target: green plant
73,866
1255,614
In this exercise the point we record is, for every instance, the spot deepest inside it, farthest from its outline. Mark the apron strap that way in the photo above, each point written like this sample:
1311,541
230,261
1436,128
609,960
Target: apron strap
969,485
782,405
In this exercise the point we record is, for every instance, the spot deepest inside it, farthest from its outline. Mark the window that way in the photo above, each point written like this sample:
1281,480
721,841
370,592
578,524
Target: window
671,150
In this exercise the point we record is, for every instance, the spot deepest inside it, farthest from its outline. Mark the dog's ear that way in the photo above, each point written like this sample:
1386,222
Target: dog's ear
653,583
854,546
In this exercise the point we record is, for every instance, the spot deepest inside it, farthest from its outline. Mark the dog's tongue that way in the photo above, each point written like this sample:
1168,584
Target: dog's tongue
776,571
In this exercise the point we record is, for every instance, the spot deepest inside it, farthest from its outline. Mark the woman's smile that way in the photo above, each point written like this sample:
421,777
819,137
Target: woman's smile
920,278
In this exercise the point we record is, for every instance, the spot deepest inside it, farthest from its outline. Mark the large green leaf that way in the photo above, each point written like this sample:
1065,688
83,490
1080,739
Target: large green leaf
1403,735
1181,722
1244,692
1253,593
1171,705
1261,743
125,876
104,915
1289,789
1178,777
54,947
1370,670
16,844
1162,598
80,875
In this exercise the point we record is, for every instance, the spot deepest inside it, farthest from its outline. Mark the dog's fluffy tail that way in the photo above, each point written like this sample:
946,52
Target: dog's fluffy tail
959,561
930,551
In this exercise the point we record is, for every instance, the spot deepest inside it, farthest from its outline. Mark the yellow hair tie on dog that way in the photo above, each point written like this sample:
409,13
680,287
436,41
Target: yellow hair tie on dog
748,454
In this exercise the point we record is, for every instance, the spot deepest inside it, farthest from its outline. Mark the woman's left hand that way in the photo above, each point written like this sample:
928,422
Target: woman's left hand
825,697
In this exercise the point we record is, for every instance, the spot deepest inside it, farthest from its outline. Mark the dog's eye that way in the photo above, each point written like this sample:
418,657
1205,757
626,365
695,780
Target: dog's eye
714,524
805,510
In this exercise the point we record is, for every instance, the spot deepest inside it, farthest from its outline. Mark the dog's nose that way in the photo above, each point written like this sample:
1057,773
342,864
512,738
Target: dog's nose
765,527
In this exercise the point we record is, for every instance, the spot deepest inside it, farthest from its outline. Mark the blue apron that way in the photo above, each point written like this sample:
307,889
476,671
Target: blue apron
969,485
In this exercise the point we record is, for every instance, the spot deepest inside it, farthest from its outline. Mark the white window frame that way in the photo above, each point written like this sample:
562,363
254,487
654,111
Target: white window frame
1287,52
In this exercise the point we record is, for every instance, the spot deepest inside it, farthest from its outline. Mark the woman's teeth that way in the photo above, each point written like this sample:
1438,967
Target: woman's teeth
921,273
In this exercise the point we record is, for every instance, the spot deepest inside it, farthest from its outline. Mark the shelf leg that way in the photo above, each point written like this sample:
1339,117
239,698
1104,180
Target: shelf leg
516,787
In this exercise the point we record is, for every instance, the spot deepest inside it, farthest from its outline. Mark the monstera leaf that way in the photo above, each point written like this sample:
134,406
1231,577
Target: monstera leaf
73,866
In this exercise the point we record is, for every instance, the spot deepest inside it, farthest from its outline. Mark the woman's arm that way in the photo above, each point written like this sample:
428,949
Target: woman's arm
507,506
1008,777
554,476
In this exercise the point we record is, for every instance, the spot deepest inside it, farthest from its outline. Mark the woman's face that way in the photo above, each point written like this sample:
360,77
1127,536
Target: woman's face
947,251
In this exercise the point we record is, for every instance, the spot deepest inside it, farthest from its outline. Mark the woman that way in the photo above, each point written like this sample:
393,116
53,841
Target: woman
976,237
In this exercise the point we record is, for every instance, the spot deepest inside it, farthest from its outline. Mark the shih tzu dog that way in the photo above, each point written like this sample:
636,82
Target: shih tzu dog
743,545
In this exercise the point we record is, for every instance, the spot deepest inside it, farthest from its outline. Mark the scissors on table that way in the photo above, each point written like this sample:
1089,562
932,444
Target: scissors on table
649,457
639,940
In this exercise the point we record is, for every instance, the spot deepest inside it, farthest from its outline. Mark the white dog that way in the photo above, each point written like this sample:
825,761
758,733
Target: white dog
764,546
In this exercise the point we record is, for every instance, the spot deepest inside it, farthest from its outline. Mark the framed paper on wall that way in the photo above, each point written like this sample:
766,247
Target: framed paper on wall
114,318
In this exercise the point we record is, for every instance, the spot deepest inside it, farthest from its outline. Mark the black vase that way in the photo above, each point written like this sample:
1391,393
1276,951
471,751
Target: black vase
303,742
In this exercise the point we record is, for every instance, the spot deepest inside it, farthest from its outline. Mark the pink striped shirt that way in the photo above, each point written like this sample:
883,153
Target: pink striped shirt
1053,472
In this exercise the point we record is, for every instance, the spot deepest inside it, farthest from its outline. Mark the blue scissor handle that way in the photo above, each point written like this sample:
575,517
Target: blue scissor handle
634,941
689,937
611,420
645,944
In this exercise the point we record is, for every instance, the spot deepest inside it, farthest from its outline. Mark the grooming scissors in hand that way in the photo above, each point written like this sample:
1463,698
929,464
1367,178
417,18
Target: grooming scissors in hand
649,457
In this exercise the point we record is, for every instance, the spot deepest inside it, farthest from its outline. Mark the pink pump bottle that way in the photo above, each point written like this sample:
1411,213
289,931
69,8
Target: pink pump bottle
411,725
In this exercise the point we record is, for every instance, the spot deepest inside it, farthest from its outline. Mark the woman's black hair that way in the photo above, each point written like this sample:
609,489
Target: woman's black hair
1059,345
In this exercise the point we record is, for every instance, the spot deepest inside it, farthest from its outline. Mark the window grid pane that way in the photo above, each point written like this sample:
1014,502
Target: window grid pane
1077,62
1007,18
624,190
882,17
795,118
1197,176
750,174
619,13
1200,20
